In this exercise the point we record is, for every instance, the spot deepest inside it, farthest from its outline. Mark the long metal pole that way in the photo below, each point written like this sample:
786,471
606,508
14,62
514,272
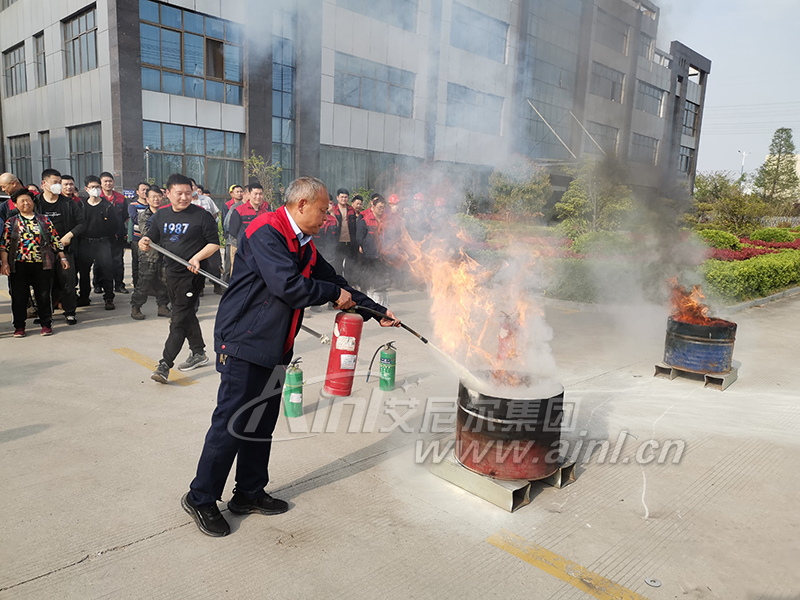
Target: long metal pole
551,129
599,147
323,339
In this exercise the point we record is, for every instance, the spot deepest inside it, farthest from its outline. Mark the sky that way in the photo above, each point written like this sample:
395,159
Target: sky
754,86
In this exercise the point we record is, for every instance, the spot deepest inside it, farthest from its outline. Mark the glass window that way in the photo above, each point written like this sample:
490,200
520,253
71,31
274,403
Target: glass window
182,42
215,90
148,11
399,13
691,117
20,158
649,98
171,83
171,16
44,145
476,32
611,32
644,149
605,135
473,110
41,69
16,80
193,54
151,80
80,43
152,135
212,158
215,28
686,160
85,151
283,69
646,45
606,82
150,43
373,86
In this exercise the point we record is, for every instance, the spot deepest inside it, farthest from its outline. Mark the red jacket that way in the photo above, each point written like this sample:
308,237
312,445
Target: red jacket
242,216
370,234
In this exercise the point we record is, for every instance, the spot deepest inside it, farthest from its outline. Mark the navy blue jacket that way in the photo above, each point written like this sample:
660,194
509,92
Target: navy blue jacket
273,280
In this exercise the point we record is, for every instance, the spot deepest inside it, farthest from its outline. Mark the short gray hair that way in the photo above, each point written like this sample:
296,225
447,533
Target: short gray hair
304,187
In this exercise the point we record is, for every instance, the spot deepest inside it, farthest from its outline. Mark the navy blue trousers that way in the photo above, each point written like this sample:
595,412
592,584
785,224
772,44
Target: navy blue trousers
248,405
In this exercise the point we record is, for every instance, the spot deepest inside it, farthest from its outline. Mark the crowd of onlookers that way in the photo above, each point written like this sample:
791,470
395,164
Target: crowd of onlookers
58,245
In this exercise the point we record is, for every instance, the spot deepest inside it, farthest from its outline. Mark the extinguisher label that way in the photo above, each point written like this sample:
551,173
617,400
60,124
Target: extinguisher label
346,343
348,362
295,398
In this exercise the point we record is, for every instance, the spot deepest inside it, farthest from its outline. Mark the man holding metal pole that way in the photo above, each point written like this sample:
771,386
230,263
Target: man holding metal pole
277,273
190,232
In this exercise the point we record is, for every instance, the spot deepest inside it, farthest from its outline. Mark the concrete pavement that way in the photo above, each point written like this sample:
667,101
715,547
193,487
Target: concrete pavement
95,458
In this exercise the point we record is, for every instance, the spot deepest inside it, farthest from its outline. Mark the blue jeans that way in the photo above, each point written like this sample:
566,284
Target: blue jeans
248,405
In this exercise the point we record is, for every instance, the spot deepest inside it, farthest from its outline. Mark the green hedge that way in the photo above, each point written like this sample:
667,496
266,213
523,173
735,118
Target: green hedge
603,243
752,278
720,239
773,234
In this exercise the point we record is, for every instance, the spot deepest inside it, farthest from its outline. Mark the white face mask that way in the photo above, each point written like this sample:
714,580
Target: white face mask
94,192
55,188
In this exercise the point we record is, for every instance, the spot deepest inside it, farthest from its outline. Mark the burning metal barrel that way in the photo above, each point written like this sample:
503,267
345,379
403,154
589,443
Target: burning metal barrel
700,348
510,437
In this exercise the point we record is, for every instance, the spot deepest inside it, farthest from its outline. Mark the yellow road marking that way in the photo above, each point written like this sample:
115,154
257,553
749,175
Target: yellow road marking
567,571
141,359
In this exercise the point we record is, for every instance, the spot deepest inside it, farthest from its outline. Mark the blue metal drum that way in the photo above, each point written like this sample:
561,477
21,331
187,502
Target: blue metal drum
700,348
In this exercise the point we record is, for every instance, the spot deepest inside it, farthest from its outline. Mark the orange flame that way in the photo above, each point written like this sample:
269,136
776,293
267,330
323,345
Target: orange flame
467,306
688,307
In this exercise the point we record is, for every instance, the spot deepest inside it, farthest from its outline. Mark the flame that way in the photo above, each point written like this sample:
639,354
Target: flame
688,307
467,305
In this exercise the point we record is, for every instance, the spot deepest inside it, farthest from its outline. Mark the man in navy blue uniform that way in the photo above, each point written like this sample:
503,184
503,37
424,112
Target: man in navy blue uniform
277,273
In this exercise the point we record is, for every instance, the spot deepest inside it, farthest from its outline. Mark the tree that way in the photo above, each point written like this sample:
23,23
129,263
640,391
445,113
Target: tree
721,203
596,199
520,188
268,176
776,181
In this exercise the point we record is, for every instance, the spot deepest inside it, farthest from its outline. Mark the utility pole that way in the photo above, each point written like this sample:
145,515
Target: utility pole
744,157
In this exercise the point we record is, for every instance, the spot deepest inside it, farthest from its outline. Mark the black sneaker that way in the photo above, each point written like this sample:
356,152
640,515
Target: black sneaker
121,289
266,505
161,374
110,305
208,518
71,320
98,289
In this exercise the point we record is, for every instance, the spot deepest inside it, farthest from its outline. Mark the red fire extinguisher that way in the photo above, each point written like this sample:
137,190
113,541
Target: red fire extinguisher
344,353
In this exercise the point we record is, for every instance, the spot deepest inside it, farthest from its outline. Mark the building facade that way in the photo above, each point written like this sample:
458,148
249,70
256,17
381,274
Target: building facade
357,92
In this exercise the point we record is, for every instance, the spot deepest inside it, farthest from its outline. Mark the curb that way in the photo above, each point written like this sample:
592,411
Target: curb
724,310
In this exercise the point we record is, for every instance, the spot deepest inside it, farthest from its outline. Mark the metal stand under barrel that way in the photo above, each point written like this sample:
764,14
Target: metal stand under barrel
507,494
715,381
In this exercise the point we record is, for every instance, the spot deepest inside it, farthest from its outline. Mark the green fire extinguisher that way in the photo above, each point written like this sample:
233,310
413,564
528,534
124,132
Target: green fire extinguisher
388,366
293,390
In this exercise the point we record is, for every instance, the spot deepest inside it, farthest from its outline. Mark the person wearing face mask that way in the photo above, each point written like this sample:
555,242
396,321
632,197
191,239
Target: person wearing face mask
67,219
102,226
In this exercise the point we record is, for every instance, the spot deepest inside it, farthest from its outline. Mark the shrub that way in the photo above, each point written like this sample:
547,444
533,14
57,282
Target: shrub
472,227
753,278
603,243
772,234
743,254
720,239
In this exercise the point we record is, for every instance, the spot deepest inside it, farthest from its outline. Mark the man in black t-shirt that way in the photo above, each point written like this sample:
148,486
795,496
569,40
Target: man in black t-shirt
67,219
190,232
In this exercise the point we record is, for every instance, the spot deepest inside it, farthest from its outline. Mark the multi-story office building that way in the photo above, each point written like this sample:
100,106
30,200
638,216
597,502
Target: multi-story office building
358,92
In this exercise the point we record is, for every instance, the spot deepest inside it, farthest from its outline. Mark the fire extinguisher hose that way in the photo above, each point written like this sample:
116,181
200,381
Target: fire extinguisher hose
385,316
